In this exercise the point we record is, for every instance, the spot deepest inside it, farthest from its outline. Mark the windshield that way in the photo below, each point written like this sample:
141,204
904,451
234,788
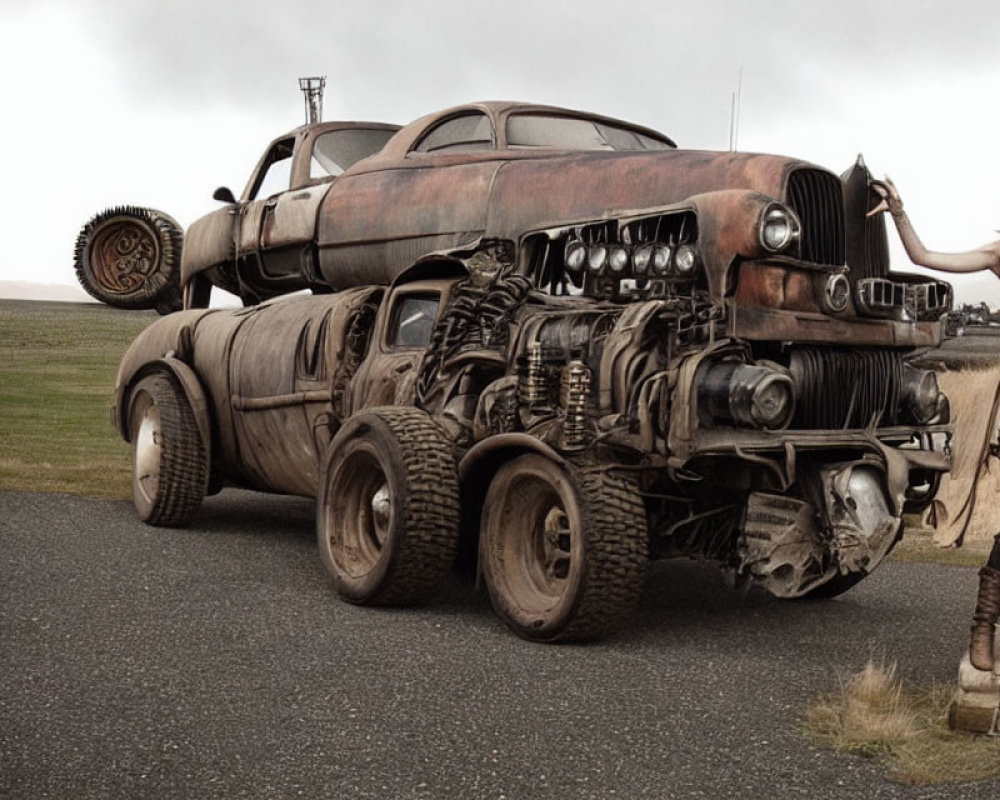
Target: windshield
335,151
574,133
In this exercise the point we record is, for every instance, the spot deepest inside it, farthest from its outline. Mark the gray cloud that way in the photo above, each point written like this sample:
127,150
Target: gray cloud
664,63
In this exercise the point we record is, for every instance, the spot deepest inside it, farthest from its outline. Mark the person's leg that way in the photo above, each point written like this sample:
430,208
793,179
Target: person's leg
993,562
984,619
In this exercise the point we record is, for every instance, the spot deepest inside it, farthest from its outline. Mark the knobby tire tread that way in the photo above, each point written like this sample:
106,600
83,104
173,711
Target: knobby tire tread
431,523
614,519
182,457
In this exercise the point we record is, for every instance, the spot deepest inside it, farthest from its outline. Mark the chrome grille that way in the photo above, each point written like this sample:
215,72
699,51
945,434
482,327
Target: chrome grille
817,198
836,389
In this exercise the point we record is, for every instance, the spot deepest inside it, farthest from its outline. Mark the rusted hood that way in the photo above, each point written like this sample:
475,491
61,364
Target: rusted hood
532,194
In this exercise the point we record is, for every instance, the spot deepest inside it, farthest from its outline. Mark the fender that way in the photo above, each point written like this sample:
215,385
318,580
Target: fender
475,473
193,391
480,463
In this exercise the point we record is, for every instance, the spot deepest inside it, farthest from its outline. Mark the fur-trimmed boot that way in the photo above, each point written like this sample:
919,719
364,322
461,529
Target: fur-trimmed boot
984,619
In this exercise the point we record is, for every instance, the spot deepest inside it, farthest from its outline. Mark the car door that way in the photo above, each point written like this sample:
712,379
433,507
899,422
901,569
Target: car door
388,373
267,259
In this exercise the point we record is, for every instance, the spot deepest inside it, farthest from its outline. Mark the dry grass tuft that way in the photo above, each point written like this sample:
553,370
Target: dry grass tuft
875,714
869,715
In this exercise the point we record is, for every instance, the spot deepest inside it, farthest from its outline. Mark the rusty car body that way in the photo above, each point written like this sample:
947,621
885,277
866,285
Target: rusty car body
557,342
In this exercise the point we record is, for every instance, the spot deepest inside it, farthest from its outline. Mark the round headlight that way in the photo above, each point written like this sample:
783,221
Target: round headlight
641,257
597,257
661,259
771,401
778,229
747,395
575,255
686,259
618,258
921,394
836,292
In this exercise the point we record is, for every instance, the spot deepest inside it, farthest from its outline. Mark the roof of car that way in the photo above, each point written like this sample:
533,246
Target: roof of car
403,141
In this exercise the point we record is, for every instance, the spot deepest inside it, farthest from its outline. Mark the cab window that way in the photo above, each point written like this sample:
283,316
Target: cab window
412,321
467,132
335,151
276,172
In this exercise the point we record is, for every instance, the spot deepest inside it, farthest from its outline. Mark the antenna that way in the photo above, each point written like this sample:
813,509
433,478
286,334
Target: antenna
312,89
734,114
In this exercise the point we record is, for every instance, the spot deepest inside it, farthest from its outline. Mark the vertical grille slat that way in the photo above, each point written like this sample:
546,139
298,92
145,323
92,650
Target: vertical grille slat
817,198
867,245
837,389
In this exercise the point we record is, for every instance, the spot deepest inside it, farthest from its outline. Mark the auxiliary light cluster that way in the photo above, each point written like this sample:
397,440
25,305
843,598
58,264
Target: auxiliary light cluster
643,259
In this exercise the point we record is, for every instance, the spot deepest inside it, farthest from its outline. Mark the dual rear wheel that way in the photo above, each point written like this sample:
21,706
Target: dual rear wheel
563,549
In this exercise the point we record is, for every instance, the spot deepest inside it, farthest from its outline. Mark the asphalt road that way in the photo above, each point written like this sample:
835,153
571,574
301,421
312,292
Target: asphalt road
216,662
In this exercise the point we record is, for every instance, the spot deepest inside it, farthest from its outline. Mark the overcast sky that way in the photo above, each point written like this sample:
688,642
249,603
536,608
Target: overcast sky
113,102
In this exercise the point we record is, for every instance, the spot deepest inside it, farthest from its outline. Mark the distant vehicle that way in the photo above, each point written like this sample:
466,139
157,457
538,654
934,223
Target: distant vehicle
556,342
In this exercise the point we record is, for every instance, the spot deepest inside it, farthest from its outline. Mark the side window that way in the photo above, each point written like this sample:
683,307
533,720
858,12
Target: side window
276,173
412,321
468,132
335,151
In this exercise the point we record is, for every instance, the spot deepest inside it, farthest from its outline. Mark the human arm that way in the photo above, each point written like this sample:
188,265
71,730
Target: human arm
985,257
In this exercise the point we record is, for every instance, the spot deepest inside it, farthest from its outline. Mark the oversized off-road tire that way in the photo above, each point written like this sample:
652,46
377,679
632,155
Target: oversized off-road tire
387,511
130,257
563,549
169,462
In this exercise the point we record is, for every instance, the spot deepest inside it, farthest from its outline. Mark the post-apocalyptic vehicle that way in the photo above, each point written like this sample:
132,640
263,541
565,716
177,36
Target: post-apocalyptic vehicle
557,342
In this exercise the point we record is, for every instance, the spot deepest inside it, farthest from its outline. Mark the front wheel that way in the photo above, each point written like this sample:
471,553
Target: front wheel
169,459
563,549
387,513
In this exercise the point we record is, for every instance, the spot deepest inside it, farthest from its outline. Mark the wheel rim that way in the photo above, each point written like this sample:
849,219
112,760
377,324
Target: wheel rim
147,451
536,548
123,255
360,516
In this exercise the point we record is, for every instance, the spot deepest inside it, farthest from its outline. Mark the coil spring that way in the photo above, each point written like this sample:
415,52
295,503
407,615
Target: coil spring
532,388
573,396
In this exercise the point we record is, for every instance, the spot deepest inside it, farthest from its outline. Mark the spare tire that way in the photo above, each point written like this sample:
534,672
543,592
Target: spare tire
130,257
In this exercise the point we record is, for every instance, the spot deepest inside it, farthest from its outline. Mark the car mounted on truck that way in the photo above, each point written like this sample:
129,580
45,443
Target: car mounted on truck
556,343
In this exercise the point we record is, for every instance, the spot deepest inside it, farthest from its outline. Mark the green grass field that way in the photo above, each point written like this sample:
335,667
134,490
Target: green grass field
57,375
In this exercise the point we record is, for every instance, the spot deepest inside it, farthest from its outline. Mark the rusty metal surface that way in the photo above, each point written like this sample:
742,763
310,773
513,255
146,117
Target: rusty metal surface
753,374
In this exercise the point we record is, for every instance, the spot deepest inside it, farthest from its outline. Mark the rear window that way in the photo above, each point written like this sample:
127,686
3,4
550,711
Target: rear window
467,132
574,133
335,151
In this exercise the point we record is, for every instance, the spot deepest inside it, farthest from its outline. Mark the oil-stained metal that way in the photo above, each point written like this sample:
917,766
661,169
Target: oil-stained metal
684,337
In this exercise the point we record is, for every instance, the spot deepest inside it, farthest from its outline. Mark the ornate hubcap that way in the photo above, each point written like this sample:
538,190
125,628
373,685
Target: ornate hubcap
123,256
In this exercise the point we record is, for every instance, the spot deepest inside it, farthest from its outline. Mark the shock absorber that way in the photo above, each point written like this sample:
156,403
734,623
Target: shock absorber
574,392
532,387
